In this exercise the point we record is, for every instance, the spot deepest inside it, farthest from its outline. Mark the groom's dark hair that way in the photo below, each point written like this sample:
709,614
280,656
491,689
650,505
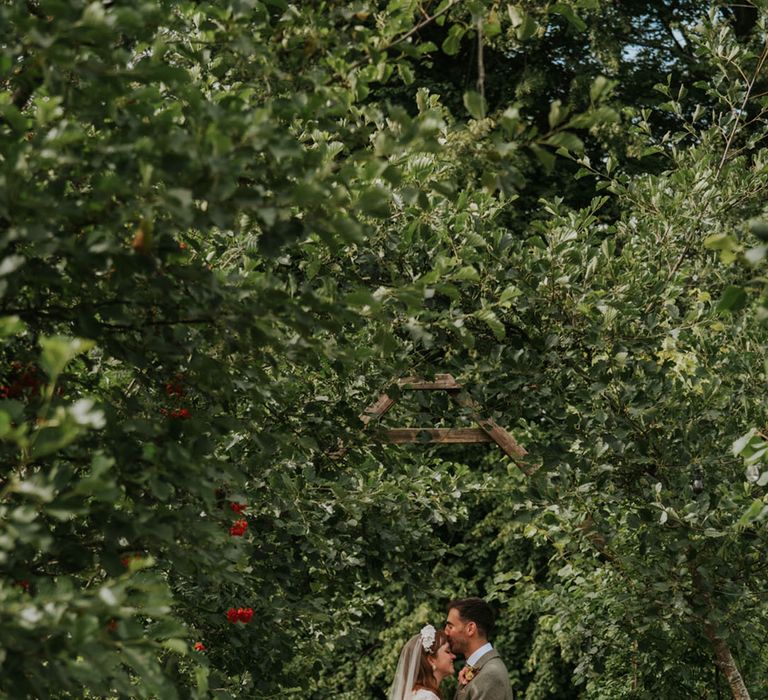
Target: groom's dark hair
475,610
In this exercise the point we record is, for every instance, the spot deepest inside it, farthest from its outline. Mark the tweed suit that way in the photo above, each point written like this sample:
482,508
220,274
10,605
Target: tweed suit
490,682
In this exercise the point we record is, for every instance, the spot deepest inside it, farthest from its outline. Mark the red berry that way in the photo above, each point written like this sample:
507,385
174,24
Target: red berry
232,615
238,528
174,389
199,646
245,614
179,413
238,507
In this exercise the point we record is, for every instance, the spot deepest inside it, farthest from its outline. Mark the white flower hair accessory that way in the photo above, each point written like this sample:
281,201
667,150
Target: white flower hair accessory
427,637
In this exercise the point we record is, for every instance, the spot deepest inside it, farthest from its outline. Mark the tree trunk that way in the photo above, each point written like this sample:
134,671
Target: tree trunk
726,663
723,657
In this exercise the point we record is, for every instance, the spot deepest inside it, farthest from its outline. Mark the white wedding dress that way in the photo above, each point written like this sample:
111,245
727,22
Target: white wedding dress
424,694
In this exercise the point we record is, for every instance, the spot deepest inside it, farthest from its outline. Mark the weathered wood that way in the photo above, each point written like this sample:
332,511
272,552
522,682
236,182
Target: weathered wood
398,436
464,400
488,430
500,436
377,409
442,382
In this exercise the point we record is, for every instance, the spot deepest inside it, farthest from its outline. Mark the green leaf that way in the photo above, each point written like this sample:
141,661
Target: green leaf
467,273
406,73
280,234
568,13
84,414
741,444
360,297
15,119
492,26
733,299
557,113
509,294
452,42
201,680
375,202
48,440
545,157
721,241
490,318
5,424
11,325
600,87
475,104
755,255
759,227
516,15
567,140
10,264
37,488
527,28
58,351
177,645
757,510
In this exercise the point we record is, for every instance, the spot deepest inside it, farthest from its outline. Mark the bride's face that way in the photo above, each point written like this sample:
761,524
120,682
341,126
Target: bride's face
443,660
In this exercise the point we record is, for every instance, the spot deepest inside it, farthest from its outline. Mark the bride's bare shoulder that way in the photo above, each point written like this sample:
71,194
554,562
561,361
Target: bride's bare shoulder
424,694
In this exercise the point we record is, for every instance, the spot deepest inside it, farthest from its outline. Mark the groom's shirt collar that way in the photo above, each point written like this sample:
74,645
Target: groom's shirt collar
479,653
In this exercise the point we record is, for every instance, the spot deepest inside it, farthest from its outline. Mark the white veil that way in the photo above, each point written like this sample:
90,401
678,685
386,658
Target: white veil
407,667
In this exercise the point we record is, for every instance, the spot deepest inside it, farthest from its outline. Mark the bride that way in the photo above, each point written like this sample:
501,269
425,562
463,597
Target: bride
424,661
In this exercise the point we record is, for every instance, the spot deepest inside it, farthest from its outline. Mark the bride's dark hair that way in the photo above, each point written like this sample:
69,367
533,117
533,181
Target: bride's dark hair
425,678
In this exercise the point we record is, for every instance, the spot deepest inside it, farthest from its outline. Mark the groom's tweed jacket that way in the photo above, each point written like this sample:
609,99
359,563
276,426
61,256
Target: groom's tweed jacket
491,680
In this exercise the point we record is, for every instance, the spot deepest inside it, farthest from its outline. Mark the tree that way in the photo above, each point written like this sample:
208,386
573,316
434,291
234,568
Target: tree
224,231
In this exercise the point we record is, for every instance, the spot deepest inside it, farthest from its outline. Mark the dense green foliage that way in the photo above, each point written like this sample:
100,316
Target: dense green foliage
226,228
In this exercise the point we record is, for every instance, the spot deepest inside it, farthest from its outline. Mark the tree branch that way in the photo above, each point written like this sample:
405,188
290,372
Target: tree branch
748,94
409,33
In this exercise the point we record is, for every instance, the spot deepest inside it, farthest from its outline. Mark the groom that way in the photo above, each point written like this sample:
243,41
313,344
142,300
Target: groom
469,625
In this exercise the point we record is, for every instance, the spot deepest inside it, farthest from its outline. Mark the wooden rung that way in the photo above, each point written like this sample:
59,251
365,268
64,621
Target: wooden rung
376,410
504,440
399,436
442,382
488,430
500,436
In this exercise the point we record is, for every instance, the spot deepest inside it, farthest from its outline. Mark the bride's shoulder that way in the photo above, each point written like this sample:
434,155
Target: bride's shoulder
424,694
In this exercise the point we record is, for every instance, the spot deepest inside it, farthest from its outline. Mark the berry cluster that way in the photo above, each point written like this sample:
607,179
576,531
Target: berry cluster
244,615
174,389
238,528
126,561
177,413
23,380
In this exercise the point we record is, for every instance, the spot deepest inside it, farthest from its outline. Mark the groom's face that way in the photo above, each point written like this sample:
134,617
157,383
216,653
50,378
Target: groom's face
456,631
